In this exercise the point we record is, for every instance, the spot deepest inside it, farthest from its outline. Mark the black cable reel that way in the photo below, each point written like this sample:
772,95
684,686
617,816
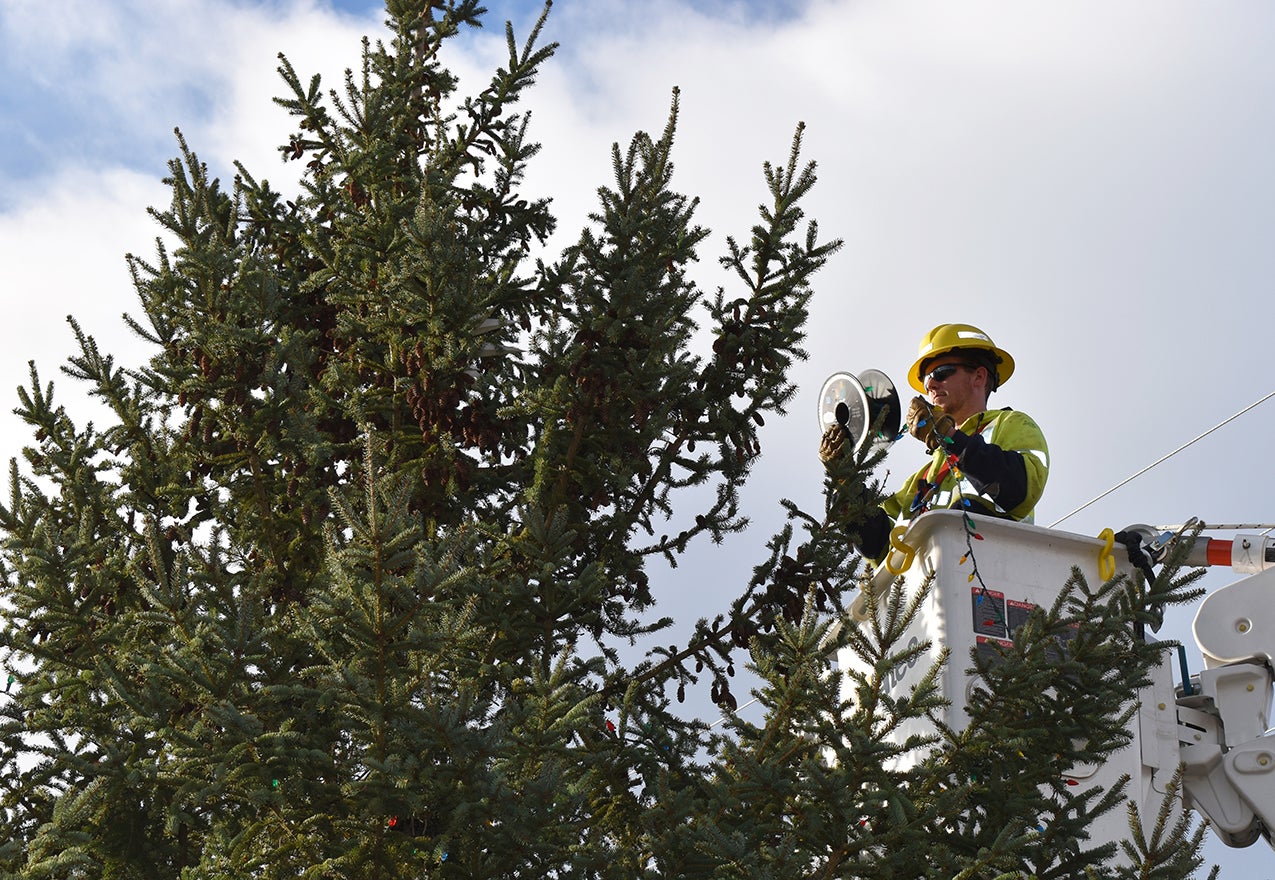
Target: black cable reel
856,403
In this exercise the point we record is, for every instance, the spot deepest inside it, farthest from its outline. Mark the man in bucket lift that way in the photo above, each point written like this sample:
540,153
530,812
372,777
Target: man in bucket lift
986,461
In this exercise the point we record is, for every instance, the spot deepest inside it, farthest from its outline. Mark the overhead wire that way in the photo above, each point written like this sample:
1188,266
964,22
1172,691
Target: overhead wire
1162,459
736,712
1216,527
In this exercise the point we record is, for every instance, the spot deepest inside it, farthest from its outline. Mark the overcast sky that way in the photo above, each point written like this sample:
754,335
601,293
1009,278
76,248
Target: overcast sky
1091,183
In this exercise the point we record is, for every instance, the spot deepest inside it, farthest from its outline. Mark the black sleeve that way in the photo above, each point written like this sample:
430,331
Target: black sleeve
874,534
997,473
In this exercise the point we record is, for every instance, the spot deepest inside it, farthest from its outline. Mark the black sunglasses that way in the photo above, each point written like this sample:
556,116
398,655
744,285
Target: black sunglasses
943,373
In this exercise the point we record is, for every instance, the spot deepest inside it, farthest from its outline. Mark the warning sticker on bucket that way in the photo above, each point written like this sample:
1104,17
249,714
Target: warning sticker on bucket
1017,614
989,612
990,649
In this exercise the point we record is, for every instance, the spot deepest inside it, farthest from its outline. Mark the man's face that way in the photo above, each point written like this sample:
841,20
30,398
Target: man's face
955,385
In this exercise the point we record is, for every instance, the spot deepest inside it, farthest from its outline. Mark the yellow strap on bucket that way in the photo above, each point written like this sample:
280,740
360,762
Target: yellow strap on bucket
1106,559
897,545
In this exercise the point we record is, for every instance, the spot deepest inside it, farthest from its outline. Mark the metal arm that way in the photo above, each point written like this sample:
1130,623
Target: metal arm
1227,747
1224,740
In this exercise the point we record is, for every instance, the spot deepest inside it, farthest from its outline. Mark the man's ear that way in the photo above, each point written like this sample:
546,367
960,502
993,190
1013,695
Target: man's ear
987,379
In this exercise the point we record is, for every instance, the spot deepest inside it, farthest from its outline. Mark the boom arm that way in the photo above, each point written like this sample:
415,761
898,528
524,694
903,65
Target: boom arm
1227,747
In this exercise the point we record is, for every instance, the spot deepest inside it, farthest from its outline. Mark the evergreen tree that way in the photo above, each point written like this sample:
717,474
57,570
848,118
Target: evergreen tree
341,590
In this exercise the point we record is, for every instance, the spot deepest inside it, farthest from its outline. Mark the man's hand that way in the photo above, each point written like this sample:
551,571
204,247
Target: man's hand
831,444
928,423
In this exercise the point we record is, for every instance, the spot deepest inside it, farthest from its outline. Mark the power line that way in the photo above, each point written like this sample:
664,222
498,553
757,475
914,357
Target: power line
1163,459
745,706
1217,527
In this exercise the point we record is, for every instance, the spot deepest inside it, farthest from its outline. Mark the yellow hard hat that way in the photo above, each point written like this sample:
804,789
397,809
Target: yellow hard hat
947,338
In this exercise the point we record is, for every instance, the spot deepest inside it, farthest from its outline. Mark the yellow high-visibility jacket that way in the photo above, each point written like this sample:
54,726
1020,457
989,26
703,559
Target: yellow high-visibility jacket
998,460
996,463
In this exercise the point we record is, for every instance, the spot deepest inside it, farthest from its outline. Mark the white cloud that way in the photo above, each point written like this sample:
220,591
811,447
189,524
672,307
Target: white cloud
65,255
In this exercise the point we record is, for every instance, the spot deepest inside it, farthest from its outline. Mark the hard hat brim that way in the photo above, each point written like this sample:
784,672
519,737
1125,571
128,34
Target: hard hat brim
1004,363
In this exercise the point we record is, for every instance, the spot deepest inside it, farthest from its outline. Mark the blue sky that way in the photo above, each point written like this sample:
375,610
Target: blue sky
1089,182
56,104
